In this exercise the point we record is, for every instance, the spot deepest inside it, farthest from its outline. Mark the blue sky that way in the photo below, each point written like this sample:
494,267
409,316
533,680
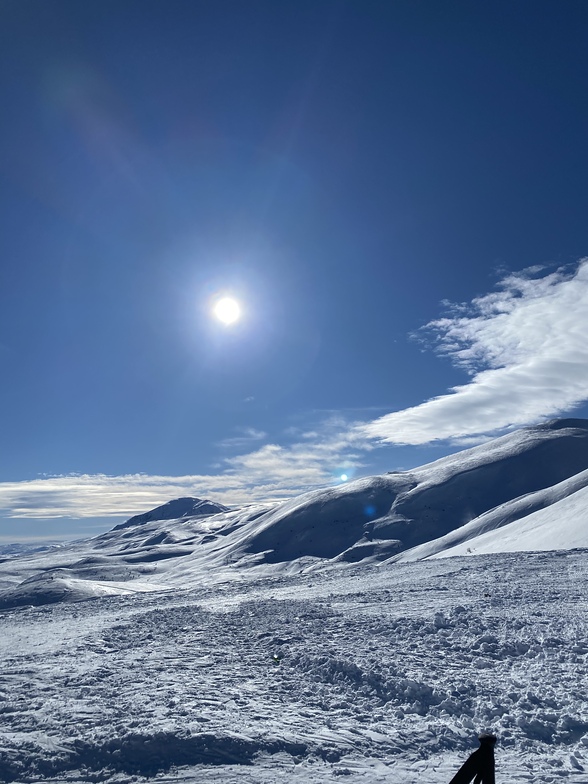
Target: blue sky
396,194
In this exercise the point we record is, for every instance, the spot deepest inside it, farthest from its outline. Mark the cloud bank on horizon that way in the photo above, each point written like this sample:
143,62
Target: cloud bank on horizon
523,345
526,349
271,473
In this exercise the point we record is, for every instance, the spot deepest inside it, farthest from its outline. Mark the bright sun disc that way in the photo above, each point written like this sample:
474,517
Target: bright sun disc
227,310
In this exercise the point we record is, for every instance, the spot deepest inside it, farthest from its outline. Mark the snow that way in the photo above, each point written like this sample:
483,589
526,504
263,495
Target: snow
549,519
386,674
336,634
562,525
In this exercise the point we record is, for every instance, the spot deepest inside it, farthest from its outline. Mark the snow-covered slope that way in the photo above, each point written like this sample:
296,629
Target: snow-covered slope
374,675
558,515
380,516
500,493
561,526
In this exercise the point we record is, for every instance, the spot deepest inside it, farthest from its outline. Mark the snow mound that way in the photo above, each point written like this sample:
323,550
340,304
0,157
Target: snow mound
145,754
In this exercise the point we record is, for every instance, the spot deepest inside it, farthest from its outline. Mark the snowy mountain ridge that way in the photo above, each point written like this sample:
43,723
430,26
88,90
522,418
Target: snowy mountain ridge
495,497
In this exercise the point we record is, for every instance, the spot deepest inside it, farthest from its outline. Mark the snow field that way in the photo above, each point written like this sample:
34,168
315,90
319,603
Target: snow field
379,674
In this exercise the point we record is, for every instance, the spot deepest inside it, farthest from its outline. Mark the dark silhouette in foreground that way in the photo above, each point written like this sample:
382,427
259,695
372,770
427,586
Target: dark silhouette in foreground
480,764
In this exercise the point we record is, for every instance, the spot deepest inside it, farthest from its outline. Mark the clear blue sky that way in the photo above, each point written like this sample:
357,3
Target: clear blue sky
345,170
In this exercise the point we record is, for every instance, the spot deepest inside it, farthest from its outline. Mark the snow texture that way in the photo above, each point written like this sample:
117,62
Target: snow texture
372,673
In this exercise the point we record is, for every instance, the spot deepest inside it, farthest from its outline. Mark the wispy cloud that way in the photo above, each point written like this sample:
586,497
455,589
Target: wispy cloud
526,350
309,463
269,473
246,436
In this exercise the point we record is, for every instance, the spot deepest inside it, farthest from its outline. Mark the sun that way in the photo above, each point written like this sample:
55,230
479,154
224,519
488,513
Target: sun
227,310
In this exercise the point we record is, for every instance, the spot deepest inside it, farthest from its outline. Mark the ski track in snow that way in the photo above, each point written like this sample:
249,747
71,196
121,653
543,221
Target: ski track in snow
385,674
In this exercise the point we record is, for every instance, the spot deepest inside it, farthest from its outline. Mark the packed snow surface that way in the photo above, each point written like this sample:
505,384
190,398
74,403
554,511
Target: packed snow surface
374,673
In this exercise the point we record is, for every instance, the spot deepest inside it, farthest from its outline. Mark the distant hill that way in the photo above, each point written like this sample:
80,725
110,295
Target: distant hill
18,548
173,510
524,491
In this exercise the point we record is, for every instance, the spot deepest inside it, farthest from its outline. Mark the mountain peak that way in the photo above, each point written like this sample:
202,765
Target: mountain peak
172,510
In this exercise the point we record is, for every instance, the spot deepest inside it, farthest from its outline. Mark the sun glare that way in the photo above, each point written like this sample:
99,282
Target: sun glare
227,310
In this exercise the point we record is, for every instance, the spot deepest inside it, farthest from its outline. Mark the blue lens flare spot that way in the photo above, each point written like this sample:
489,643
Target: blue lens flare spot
369,510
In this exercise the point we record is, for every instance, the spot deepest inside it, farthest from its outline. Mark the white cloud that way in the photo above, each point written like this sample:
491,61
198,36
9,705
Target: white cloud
304,465
270,473
247,435
526,348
